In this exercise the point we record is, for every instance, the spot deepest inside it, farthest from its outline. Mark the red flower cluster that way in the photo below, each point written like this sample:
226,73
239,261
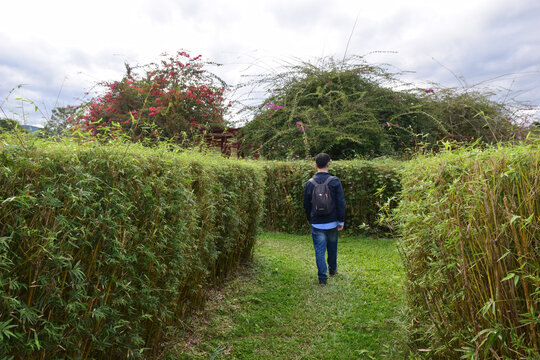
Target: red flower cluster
170,98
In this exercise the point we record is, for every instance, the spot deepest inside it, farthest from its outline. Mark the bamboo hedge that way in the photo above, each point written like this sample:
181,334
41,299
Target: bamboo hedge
367,185
470,234
105,248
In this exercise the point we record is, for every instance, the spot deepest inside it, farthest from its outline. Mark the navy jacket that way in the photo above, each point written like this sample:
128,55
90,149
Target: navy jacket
339,200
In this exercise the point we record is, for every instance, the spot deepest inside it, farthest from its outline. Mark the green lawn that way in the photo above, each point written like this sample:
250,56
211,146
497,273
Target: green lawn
276,310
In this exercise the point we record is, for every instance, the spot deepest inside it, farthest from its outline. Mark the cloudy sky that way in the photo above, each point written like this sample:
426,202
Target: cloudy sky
58,50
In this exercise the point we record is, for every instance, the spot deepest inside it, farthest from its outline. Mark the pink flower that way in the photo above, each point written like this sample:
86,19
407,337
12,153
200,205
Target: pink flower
274,107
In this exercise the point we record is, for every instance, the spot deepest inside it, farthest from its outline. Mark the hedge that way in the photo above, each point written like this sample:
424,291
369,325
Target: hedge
103,248
470,233
367,185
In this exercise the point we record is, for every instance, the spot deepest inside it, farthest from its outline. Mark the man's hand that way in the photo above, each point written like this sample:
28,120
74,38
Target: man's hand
340,227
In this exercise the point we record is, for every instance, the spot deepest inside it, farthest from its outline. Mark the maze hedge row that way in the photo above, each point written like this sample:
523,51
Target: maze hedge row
368,185
103,248
470,232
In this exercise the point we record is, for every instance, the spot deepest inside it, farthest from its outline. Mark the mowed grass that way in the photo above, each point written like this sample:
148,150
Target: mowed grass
275,308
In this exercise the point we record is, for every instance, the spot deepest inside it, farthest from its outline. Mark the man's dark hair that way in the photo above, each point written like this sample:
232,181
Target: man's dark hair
322,160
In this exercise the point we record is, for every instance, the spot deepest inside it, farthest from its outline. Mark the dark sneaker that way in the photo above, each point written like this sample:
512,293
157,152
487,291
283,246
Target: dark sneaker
322,281
333,273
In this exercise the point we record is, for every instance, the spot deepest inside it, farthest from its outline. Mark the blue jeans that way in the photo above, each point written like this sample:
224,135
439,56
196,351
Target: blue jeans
325,240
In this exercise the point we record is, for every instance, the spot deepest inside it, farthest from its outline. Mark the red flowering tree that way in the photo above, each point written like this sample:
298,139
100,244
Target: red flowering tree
176,99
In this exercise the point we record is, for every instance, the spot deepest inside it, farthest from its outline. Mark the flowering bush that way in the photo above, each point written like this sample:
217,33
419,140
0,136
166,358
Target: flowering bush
175,99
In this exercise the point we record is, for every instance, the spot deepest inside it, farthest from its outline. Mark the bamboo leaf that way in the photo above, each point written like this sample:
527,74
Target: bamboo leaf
508,277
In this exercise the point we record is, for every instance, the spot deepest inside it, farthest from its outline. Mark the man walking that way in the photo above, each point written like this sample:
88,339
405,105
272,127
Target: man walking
324,204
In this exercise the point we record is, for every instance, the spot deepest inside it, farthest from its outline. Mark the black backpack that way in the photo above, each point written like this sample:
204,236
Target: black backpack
322,199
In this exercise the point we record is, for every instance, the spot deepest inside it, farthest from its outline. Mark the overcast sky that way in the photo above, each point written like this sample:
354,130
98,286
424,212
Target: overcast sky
60,49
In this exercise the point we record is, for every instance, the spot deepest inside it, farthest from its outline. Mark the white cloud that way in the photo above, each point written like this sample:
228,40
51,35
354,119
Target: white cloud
49,43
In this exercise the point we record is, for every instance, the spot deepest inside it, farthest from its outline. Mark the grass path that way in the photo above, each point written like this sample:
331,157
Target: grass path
276,310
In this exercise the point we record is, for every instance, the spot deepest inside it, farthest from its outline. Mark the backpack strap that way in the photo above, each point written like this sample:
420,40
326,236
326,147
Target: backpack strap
330,178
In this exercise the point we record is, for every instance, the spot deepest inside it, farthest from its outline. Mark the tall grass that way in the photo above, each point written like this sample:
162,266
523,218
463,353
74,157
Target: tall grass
470,233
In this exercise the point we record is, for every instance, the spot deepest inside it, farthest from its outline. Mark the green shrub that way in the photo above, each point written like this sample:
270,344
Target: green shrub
348,107
470,233
367,186
103,248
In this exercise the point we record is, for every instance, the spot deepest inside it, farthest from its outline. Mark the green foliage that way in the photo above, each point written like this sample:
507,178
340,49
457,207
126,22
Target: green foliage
349,108
471,115
8,125
470,231
331,101
367,185
104,248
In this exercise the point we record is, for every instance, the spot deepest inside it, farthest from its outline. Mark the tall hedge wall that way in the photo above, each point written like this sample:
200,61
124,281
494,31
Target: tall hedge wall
470,233
103,248
367,186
